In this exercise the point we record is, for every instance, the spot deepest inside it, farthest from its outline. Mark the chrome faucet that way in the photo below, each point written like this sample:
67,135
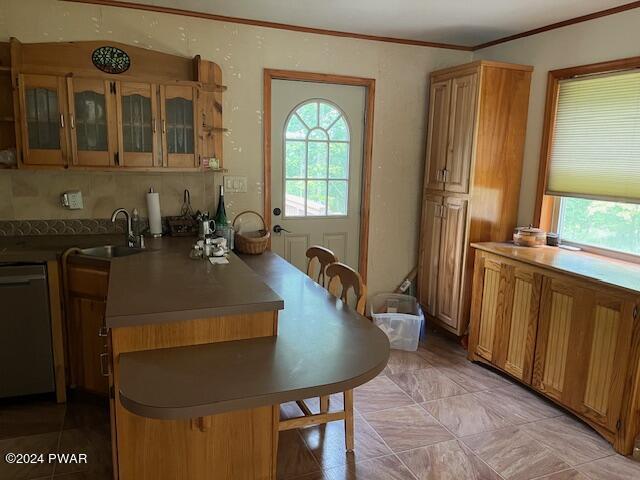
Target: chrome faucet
131,239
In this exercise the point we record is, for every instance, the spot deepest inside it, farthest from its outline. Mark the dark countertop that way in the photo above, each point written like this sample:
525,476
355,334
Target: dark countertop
322,347
42,248
161,284
587,266
164,285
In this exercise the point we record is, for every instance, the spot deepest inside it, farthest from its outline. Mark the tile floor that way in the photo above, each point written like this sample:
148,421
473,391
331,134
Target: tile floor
431,415
42,426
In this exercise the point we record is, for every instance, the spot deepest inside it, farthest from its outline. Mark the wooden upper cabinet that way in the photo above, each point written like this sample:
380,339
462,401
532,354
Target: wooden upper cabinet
43,122
92,122
450,262
178,112
437,137
429,251
506,301
462,114
137,122
583,348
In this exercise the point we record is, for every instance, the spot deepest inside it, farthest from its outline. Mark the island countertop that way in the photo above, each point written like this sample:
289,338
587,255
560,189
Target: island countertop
323,346
164,285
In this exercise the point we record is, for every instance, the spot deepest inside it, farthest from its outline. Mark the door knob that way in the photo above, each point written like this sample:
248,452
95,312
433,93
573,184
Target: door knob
277,211
279,229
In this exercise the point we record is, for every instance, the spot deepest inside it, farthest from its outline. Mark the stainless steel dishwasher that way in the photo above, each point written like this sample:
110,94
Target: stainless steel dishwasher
26,357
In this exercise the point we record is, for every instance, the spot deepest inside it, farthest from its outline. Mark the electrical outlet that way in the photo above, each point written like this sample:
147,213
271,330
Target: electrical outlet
72,200
235,184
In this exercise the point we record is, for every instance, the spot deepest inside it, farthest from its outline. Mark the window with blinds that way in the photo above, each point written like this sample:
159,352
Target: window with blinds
595,150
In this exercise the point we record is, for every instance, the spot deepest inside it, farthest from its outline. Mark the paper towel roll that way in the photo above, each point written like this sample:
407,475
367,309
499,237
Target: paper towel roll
153,209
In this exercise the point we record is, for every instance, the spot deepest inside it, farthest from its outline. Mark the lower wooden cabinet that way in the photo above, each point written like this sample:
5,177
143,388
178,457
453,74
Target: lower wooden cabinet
508,316
575,341
86,337
440,269
583,346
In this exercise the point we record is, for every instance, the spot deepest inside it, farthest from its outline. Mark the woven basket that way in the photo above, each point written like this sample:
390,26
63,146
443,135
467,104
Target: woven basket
252,243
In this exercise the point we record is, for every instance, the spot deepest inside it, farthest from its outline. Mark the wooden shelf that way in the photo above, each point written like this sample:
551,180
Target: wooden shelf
209,128
8,70
214,88
7,119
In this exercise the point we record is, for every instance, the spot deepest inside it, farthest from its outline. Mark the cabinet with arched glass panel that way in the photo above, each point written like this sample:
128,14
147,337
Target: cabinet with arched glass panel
92,111
179,133
42,123
137,124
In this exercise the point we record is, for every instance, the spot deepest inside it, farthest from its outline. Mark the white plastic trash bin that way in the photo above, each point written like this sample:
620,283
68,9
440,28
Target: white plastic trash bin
402,326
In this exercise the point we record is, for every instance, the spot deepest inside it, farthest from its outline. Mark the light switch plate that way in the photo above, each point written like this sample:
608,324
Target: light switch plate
235,184
72,200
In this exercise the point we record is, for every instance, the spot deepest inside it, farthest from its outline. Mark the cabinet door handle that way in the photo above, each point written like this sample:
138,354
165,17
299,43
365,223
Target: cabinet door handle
445,175
154,123
104,364
444,211
62,120
72,121
164,126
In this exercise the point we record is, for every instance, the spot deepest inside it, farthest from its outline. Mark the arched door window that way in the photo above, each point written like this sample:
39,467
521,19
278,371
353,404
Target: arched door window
316,161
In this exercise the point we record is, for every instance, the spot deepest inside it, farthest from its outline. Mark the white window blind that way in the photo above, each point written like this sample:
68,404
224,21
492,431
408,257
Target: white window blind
596,142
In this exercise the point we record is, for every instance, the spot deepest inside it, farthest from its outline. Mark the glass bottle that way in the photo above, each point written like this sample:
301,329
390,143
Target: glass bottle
221,213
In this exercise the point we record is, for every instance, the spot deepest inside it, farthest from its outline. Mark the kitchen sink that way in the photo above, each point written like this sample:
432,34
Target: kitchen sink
111,251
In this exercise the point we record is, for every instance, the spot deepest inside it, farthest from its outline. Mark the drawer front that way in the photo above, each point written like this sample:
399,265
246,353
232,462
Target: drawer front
88,281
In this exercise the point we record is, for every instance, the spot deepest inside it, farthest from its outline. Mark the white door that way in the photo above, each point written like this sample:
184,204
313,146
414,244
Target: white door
316,170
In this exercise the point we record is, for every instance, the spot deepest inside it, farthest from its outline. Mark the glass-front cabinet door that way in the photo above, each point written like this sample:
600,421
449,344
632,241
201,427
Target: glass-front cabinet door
43,121
137,125
179,126
92,122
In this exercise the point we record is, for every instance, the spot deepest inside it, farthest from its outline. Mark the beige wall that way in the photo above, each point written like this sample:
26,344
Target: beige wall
35,195
243,51
607,38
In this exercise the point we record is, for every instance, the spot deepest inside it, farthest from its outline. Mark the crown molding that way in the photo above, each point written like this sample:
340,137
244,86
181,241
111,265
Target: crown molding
276,25
361,36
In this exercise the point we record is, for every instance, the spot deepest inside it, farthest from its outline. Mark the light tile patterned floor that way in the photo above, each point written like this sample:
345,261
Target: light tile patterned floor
430,415
433,415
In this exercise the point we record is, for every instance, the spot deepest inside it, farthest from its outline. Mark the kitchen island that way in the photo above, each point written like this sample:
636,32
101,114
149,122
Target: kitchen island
202,355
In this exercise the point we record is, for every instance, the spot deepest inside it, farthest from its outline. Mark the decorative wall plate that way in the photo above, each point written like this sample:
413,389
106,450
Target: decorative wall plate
111,59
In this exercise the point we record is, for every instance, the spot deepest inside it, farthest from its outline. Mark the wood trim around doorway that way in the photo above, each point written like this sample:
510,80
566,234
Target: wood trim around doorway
367,152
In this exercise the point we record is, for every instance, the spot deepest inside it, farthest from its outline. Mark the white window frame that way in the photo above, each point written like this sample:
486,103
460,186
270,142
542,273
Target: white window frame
556,220
306,179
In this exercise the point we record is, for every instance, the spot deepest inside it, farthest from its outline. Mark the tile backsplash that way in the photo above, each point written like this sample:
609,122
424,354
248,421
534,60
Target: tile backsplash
35,195
82,226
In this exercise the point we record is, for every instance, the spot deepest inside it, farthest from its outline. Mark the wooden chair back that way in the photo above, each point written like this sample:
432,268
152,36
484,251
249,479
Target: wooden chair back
325,257
341,275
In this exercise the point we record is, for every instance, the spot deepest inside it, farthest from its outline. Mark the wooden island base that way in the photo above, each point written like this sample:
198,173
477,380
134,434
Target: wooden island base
239,445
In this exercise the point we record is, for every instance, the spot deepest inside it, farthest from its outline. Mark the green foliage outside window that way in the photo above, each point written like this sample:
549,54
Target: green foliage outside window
609,225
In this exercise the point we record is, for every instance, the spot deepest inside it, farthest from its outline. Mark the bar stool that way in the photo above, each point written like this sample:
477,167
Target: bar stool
317,254
324,257
342,278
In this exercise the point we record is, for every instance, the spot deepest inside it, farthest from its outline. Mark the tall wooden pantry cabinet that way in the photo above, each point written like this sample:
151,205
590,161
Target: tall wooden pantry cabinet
476,132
